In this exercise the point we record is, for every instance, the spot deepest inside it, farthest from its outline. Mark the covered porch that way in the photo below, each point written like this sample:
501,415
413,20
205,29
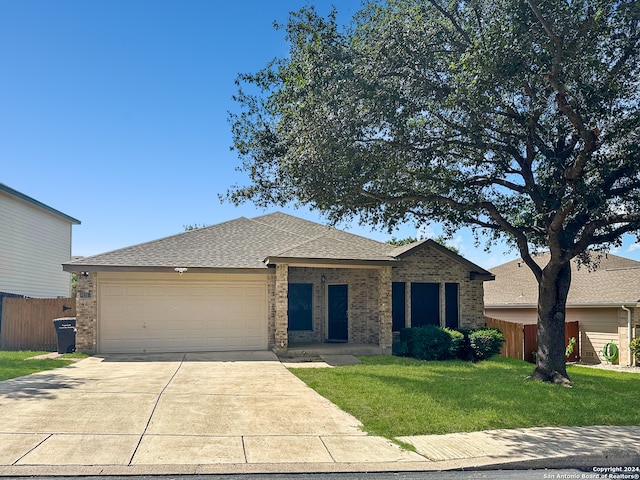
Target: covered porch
332,308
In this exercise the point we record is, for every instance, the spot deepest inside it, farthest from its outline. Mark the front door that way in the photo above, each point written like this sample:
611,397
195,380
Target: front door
338,328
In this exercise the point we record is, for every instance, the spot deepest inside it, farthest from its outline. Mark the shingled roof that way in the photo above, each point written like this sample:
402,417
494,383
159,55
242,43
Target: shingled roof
616,281
242,244
254,244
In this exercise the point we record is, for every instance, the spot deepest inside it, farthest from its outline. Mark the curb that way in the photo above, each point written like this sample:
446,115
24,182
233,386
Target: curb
613,457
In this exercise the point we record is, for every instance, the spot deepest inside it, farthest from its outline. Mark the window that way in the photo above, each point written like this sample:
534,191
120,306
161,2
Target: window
300,309
398,302
425,304
451,304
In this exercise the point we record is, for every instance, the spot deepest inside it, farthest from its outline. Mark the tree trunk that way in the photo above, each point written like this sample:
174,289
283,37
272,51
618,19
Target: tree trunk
553,290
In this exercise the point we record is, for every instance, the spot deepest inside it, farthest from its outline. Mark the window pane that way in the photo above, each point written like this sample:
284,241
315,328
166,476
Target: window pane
398,302
425,304
451,304
300,306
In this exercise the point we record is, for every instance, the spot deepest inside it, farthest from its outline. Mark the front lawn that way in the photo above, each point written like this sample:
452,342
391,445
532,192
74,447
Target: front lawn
14,364
394,396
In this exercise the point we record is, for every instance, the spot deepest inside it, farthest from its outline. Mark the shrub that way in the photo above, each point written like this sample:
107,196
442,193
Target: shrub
485,343
431,342
426,343
457,343
465,352
635,348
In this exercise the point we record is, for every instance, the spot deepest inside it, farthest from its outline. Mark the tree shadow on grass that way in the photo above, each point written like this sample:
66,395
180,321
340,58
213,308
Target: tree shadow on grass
491,396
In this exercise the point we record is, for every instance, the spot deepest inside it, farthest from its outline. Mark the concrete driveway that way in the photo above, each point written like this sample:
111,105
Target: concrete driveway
206,412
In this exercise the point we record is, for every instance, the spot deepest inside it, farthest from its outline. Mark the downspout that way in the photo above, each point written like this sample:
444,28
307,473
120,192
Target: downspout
628,334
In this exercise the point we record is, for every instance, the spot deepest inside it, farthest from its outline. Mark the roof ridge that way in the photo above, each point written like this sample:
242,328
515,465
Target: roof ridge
277,227
328,227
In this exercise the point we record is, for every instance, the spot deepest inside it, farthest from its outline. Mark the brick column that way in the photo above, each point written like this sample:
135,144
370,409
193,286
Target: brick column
282,306
86,313
384,309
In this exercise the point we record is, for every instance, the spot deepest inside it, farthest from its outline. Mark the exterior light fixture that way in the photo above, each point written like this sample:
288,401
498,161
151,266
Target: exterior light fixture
181,270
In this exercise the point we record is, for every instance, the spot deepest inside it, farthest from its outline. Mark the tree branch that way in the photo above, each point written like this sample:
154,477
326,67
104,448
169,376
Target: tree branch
452,19
555,78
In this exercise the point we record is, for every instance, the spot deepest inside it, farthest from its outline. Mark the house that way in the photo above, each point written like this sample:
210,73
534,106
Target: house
605,301
35,239
265,282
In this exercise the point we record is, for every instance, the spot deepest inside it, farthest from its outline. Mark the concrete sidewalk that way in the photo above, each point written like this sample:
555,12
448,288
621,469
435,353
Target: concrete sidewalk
242,413
538,448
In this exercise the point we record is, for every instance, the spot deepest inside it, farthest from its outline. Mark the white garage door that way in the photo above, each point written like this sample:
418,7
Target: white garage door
152,314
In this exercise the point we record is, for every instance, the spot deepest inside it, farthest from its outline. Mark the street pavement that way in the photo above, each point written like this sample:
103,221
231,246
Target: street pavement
215,413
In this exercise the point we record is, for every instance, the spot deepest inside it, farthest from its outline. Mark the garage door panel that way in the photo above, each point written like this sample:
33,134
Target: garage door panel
134,291
151,316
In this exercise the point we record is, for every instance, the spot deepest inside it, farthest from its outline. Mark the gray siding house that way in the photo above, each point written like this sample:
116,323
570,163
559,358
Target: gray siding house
268,283
35,239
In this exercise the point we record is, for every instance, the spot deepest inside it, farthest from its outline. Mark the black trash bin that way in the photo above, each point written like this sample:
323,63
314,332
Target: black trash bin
66,330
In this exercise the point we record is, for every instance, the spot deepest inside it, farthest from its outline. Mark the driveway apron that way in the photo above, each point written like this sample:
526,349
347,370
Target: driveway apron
178,409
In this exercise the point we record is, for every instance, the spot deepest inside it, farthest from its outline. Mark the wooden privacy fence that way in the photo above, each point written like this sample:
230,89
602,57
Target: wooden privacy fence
513,337
521,341
27,323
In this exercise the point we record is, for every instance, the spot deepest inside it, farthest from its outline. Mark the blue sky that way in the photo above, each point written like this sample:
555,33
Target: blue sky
115,112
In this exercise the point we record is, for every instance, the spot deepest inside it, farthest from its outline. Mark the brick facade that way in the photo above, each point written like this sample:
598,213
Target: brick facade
428,265
363,301
281,305
369,299
87,313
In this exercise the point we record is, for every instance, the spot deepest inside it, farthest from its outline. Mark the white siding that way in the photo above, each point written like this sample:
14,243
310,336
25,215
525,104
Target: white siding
33,245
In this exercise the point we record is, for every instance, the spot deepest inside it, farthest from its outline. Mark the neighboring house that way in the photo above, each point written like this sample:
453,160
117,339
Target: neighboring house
261,283
35,240
604,301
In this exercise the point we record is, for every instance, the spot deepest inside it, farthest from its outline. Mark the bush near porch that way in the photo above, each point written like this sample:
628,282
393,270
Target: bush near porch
431,342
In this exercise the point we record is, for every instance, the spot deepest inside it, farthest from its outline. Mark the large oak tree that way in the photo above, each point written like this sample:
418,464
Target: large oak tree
517,118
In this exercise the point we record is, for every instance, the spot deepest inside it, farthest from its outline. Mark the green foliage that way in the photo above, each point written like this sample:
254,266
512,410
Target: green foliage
195,226
485,343
570,347
399,242
16,364
426,343
397,396
431,342
516,118
635,348
458,343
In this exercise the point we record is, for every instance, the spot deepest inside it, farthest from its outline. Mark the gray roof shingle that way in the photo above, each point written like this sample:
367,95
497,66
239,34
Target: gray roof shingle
243,243
247,243
615,281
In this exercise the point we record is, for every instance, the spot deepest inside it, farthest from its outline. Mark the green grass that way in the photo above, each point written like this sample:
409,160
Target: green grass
394,396
15,364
